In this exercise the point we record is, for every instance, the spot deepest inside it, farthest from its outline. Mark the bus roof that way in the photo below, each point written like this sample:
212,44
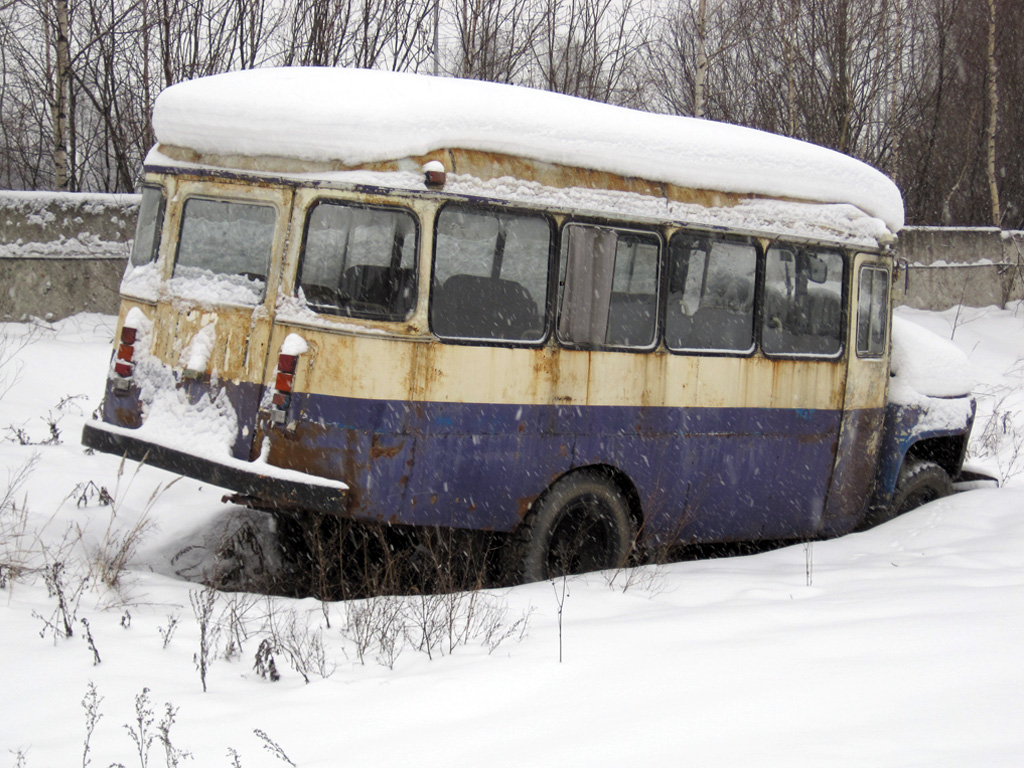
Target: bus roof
357,118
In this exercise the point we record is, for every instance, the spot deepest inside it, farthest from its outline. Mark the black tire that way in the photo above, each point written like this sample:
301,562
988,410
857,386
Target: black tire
919,482
580,524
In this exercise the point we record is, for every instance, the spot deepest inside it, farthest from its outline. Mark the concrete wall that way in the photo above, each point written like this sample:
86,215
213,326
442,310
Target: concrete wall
976,266
62,253
65,253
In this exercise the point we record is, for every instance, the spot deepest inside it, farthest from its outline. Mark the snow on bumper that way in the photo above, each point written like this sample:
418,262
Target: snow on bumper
263,485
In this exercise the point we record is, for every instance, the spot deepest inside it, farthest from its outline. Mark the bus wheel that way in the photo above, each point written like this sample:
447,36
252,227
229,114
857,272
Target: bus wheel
918,483
582,523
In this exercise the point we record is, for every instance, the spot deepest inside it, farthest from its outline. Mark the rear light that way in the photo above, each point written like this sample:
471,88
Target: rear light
287,364
123,366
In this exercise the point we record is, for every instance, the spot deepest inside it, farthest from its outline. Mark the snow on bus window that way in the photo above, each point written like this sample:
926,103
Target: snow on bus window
490,275
359,261
803,302
224,251
711,294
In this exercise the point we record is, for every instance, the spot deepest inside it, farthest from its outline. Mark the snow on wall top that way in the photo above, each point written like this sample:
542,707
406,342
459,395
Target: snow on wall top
363,116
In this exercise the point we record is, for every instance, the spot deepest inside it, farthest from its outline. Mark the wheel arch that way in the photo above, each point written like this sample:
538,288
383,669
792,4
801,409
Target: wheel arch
621,480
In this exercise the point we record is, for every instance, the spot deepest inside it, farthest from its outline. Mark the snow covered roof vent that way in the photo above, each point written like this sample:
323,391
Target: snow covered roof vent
355,117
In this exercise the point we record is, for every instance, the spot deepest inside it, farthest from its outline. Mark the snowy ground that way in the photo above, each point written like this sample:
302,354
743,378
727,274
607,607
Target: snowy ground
898,646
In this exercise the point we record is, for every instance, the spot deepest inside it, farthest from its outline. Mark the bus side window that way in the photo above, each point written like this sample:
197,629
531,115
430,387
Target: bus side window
803,302
359,261
711,294
872,311
609,280
490,275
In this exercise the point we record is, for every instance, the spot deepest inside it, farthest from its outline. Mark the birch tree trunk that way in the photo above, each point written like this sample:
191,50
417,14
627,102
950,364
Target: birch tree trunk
701,76
993,116
60,102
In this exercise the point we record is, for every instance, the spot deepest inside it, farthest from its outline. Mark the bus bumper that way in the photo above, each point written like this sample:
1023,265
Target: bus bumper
271,489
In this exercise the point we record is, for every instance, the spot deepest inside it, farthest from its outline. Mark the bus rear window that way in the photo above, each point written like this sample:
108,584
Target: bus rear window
224,250
359,261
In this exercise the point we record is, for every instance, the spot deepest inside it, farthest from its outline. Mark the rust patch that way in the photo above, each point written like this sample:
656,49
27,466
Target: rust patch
302,450
128,417
524,503
378,451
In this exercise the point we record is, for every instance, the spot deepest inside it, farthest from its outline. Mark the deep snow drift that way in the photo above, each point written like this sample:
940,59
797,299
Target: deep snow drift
897,646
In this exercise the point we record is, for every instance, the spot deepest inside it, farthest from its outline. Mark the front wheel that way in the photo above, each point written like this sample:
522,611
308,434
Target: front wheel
919,482
581,524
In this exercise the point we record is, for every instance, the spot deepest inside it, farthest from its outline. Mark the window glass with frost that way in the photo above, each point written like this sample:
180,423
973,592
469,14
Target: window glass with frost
803,302
224,251
359,261
711,287
491,270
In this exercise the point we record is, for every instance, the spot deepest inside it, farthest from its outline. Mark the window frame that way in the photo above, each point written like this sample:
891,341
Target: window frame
158,228
867,354
256,203
659,301
545,309
844,296
358,314
759,263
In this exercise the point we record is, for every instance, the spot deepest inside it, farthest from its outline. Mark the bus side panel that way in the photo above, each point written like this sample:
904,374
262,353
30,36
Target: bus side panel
721,474
703,474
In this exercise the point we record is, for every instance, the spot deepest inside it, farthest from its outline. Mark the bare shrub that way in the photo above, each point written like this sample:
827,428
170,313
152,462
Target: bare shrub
15,549
1002,435
91,705
303,647
338,559
264,665
119,542
381,627
141,731
166,633
202,606
237,622
273,747
67,591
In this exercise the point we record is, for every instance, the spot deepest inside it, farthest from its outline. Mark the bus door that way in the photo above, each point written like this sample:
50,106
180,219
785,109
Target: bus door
864,403
216,308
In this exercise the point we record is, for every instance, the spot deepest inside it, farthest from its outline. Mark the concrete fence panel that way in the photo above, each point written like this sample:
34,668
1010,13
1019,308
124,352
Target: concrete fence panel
63,253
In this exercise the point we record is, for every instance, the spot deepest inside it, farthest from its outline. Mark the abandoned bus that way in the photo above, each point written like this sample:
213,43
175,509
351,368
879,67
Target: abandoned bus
431,302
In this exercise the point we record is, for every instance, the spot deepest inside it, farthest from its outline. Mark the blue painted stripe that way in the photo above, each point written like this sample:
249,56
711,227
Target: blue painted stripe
701,474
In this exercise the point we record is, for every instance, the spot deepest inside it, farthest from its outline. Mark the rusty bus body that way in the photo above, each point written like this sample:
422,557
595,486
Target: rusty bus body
437,354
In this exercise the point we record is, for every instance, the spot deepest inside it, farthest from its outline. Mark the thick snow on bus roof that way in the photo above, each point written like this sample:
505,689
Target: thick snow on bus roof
363,116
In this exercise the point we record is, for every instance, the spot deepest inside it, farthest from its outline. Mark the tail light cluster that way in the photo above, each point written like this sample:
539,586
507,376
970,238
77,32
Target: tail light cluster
286,365
123,365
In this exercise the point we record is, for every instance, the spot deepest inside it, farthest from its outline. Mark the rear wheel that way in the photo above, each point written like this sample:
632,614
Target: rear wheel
582,523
